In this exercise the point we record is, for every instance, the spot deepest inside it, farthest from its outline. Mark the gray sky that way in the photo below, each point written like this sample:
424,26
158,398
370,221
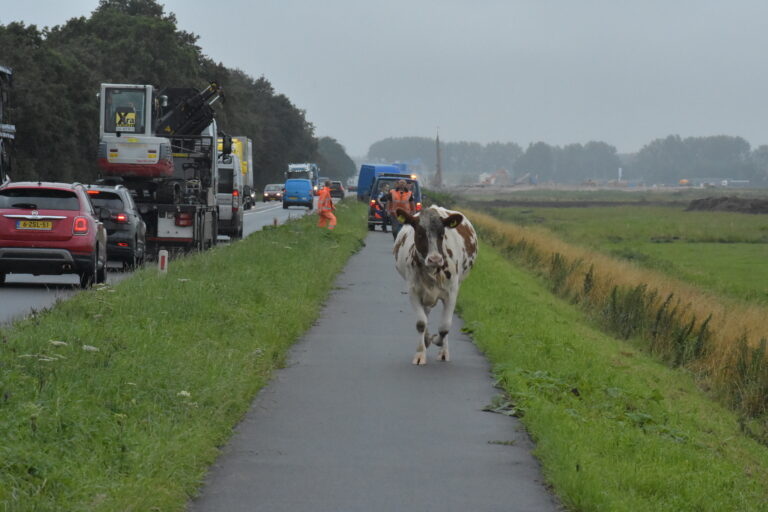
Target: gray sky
560,71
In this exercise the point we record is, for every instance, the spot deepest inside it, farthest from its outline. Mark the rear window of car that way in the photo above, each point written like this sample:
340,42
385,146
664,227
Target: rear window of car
336,185
109,200
225,181
273,188
39,199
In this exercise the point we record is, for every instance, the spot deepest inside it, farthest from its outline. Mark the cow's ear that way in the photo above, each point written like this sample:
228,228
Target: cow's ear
406,218
453,220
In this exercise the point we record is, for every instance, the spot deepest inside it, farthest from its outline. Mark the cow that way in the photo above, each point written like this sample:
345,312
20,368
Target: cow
434,252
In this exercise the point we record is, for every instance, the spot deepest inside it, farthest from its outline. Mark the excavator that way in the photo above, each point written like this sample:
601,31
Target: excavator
162,145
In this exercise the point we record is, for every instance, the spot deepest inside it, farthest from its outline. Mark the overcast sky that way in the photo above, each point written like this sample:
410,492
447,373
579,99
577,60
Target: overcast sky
558,71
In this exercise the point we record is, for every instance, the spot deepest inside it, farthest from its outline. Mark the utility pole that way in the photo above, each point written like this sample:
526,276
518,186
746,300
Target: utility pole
439,171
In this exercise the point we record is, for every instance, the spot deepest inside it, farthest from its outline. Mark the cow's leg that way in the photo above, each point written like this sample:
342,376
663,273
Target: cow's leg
449,305
421,326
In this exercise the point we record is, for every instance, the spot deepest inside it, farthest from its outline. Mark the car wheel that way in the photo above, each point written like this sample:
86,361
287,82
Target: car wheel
2,277
371,227
88,275
101,269
285,206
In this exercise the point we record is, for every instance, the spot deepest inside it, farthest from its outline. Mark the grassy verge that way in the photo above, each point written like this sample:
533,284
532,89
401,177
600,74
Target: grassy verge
615,431
723,342
117,398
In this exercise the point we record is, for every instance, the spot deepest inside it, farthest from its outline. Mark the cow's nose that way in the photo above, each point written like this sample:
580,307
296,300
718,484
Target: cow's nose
435,260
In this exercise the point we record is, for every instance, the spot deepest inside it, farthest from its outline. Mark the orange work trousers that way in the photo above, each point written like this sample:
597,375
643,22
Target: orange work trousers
326,217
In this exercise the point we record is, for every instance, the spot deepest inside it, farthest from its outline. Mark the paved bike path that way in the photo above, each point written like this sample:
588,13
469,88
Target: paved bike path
351,425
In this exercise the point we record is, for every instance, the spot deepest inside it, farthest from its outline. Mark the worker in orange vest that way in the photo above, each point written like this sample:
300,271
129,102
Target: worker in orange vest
325,207
400,197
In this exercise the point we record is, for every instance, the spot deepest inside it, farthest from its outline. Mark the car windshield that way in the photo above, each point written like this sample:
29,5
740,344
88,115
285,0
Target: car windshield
273,188
109,200
39,199
226,178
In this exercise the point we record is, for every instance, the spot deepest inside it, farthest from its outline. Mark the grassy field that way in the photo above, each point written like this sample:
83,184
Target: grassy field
622,195
117,399
720,251
615,430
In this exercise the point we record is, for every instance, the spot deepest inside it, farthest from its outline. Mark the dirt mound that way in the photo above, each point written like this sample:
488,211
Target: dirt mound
730,204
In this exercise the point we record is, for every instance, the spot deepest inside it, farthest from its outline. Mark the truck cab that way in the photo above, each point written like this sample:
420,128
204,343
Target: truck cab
230,194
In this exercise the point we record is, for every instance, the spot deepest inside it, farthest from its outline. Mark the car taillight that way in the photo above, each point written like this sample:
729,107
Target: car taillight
235,199
93,192
80,227
183,219
418,207
123,244
373,203
121,218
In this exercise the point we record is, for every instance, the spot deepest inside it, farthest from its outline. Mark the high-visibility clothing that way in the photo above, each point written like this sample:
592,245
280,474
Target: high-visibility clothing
325,209
326,217
324,201
400,199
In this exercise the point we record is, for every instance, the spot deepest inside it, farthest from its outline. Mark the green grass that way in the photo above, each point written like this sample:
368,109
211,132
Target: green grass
134,422
672,196
615,430
720,251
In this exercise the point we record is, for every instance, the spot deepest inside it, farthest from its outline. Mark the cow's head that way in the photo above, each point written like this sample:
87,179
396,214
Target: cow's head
429,231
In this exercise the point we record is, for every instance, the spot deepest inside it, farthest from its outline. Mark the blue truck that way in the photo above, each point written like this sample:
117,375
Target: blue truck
368,174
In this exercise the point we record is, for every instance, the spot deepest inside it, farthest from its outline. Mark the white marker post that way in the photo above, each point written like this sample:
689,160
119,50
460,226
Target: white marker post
162,261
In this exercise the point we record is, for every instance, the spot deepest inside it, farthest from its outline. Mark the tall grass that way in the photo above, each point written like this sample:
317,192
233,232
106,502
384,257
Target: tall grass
722,341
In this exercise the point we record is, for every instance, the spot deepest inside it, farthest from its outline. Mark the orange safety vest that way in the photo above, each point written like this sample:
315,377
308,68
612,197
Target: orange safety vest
324,202
400,200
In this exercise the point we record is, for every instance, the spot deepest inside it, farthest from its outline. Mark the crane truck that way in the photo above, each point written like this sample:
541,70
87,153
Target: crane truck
162,145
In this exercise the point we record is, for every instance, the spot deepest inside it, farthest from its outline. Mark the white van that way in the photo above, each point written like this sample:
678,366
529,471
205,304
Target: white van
229,196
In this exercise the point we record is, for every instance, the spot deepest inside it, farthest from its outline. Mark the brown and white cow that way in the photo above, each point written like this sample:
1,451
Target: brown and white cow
434,252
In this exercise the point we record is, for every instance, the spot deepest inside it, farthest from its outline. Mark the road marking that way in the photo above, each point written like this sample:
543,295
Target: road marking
265,210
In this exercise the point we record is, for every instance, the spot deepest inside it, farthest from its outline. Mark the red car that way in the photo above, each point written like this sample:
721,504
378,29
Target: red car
51,228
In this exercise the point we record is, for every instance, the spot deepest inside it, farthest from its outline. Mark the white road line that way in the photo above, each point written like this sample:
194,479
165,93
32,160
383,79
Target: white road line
264,210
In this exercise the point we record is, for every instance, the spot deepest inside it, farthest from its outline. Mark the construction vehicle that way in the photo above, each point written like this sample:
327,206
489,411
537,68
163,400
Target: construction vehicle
7,131
163,147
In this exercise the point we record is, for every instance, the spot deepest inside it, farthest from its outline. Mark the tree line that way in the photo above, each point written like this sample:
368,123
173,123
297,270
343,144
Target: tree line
57,73
663,161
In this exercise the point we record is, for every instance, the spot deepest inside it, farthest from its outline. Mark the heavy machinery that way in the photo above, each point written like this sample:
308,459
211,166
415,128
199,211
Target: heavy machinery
163,147
7,131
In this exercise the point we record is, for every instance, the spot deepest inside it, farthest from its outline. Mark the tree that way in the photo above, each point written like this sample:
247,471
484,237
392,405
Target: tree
333,159
57,75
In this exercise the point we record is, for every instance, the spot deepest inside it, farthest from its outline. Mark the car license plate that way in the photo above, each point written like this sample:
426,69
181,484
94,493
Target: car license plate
293,197
34,224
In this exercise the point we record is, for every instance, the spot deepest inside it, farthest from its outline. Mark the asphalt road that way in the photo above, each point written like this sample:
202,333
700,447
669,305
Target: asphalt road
352,425
24,293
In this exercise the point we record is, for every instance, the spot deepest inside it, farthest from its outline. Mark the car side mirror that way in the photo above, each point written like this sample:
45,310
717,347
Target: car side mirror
104,214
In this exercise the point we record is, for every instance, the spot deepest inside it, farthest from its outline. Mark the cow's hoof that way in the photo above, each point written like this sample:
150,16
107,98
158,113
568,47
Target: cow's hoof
420,358
443,355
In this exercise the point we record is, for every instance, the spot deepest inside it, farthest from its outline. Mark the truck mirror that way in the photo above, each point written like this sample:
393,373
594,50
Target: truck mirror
226,145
